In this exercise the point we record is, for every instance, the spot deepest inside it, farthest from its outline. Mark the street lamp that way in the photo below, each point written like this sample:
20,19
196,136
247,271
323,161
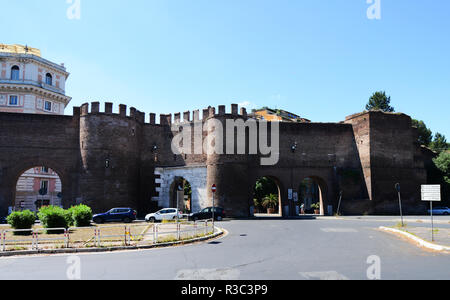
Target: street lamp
294,147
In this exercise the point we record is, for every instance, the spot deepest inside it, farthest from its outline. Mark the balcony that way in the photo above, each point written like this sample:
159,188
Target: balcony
34,83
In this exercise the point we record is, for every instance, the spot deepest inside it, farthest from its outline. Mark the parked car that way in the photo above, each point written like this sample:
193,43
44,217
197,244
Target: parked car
126,215
440,211
3,220
206,213
163,214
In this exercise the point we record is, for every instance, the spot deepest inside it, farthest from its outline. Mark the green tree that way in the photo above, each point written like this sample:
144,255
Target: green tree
425,134
264,187
380,101
442,162
439,143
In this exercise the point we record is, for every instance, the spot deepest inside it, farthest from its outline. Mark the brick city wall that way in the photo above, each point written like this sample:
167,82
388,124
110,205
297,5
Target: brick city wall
108,159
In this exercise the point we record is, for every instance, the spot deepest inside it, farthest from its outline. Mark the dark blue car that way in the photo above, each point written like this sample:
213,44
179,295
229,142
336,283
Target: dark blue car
126,215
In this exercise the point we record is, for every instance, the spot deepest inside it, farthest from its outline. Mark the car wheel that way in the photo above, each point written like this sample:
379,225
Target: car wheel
127,220
195,219
446,213
98,220
219,218
152,220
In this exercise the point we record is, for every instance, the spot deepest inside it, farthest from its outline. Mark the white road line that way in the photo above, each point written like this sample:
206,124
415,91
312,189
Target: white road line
339,230
208,274
328,275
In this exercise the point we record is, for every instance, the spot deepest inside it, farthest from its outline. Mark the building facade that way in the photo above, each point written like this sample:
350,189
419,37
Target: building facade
279,115
37,187
30,83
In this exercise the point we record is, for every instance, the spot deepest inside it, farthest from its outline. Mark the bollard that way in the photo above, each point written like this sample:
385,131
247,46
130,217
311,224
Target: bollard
195,229
66,237
35,240
125,235
4,241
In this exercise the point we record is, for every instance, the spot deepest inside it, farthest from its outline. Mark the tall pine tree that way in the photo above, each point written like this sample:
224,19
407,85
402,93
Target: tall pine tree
380,101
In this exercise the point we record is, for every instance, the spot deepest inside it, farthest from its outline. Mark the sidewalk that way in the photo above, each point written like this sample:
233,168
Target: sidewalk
441,235
445,220
423,236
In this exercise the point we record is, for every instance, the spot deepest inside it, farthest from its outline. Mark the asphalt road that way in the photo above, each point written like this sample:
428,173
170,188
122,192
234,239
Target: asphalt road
254,250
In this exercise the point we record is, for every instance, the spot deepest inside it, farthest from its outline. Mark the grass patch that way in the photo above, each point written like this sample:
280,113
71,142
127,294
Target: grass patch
399,225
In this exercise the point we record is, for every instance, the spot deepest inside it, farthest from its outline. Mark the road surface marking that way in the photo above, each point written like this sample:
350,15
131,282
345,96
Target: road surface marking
208,274
329,275
339,230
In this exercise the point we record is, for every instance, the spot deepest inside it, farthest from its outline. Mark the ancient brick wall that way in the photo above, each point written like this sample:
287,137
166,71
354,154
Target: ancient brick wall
108,159
28,141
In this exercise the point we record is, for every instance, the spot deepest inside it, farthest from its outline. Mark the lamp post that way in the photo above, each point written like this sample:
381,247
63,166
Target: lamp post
213,189
397,187
180,188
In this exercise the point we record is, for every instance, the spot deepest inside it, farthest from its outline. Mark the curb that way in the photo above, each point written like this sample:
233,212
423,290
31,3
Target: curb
416,239
112,249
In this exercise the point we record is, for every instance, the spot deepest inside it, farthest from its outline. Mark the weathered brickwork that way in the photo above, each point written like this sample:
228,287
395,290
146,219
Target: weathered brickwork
108,160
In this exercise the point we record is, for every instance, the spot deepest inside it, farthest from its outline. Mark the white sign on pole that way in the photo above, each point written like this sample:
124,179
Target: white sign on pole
431,193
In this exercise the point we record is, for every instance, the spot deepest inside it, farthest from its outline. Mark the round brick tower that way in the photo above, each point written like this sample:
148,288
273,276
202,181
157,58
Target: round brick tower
228,172
110,147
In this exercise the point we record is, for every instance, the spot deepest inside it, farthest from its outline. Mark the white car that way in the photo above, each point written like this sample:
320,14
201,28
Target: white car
163,214
440,211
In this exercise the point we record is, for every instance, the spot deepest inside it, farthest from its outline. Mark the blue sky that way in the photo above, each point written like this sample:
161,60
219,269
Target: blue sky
321,59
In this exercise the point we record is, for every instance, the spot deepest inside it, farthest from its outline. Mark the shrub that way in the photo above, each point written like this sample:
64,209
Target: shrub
270,201
54,217
81,215
22,220
315,206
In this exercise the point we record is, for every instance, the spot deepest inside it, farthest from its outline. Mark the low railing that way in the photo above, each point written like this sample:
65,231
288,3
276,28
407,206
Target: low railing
136,234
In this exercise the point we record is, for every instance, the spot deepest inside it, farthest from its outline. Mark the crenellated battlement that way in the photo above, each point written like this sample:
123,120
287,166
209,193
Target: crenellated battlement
164,119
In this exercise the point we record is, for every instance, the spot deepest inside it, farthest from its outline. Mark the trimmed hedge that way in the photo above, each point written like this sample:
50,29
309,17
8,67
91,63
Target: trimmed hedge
54,217
81,215
22,220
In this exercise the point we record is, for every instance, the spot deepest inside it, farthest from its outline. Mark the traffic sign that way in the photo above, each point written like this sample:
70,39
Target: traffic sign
431,192
214,188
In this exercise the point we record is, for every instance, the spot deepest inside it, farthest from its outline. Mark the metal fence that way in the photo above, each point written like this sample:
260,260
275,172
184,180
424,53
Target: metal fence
135,234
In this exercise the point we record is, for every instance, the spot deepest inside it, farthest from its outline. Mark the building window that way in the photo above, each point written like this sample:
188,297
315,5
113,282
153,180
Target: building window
47,106
15,73
44,187
13,100
44,170
48,79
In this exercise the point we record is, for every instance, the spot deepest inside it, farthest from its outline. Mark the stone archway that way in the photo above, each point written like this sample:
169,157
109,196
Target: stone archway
272,186
312,190
181,195
37,187
196,176
16,171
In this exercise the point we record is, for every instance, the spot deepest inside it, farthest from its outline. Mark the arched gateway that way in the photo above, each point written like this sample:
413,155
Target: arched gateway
107,159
